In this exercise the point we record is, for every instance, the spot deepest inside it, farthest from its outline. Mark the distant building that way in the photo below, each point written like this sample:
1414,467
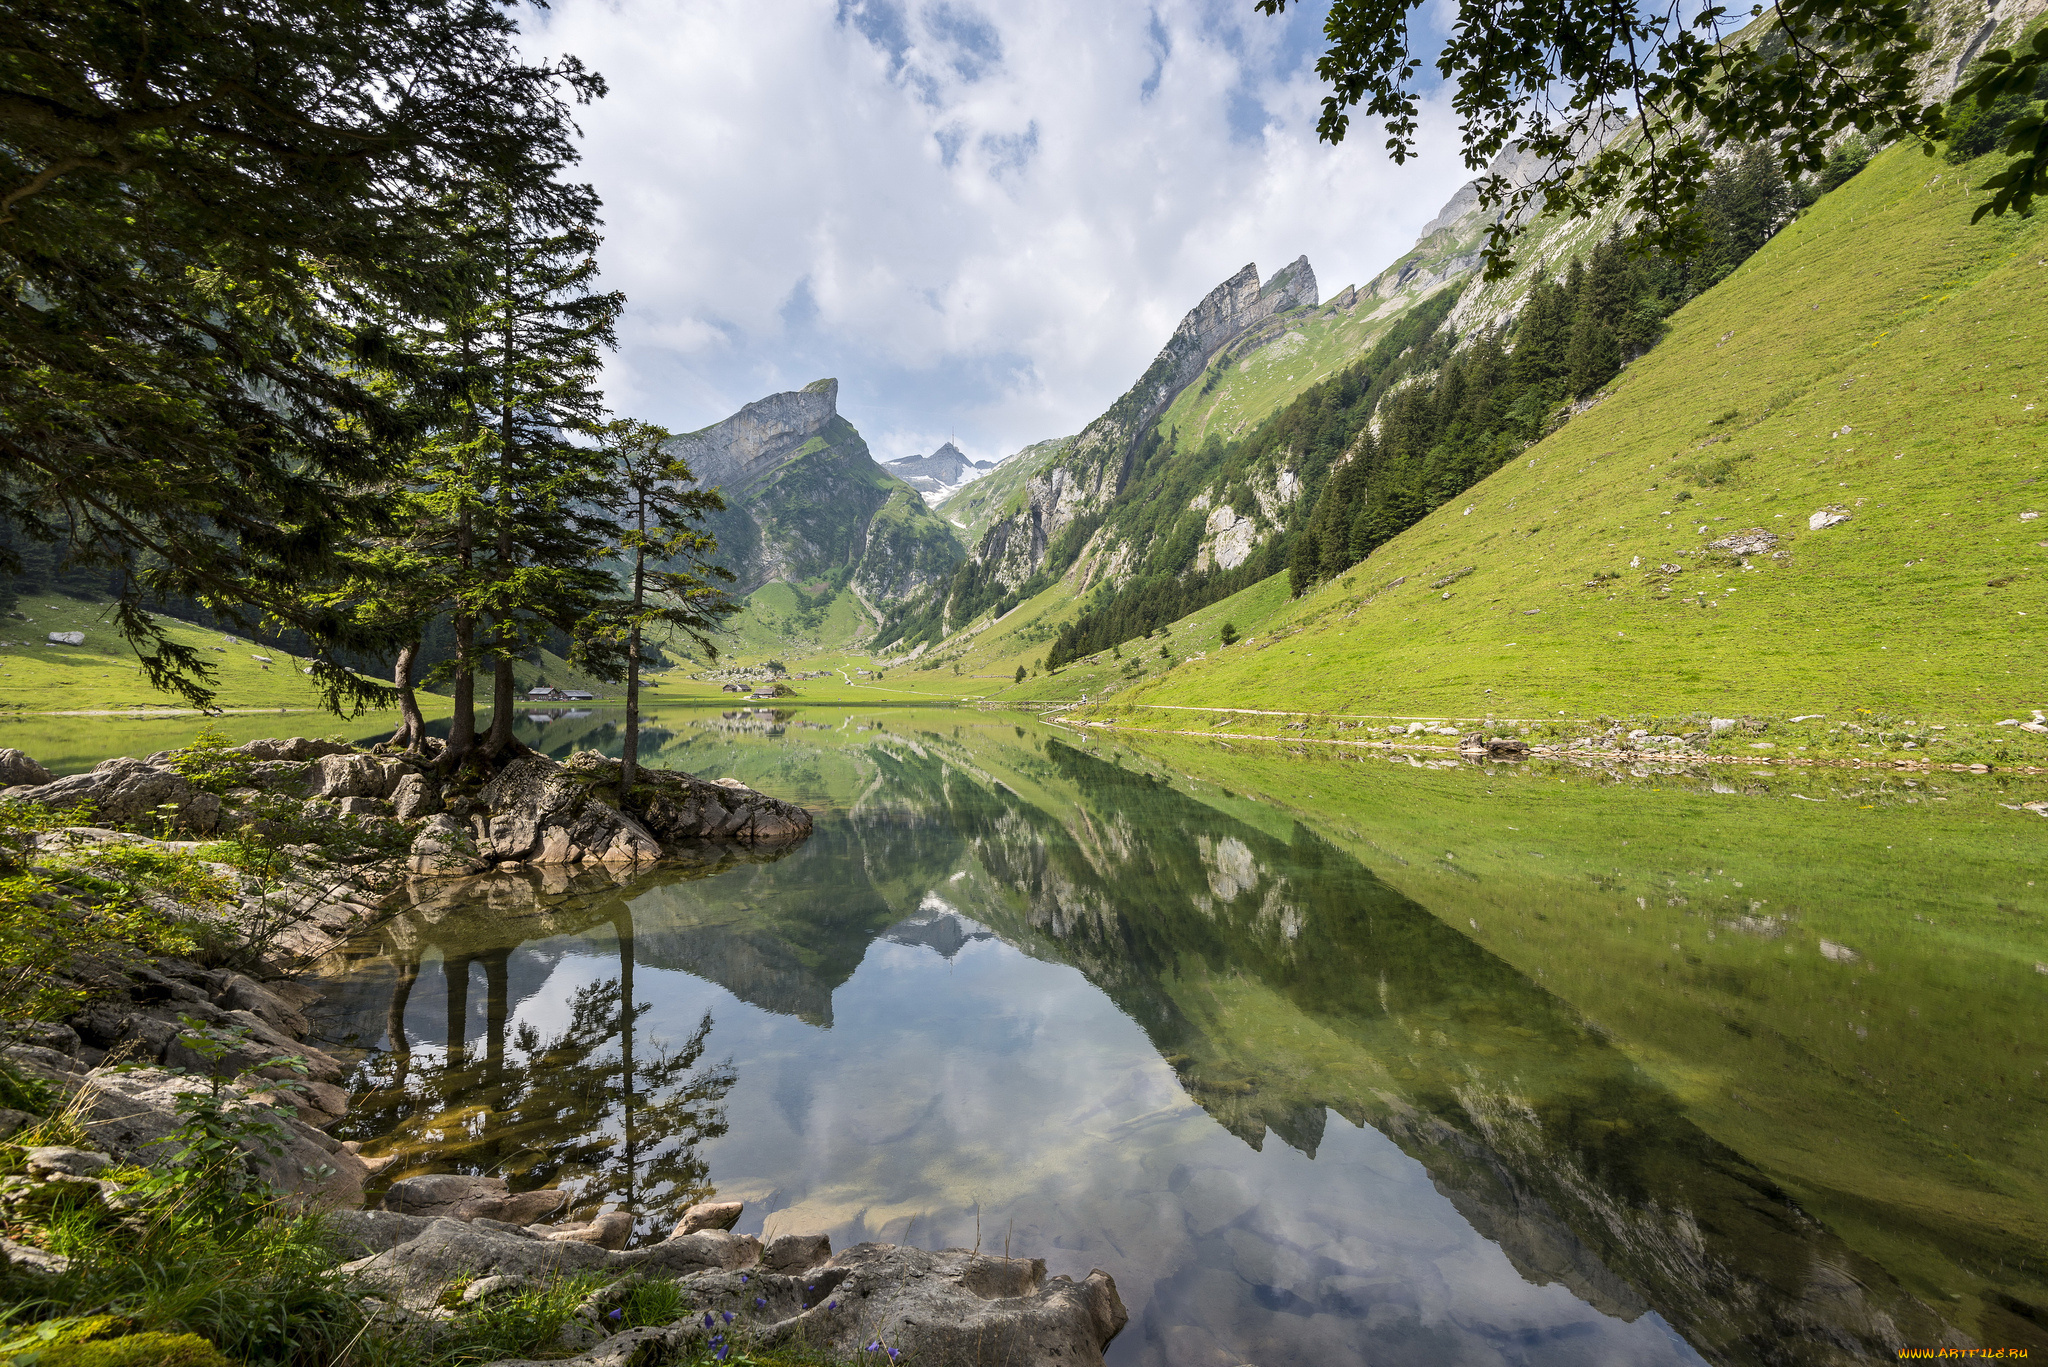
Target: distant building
546,693
578,695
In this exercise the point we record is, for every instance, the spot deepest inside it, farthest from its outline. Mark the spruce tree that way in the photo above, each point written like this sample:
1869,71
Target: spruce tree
669,578
209,212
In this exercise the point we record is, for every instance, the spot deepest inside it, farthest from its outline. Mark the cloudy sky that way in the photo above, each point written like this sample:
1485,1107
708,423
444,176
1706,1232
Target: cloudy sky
983,218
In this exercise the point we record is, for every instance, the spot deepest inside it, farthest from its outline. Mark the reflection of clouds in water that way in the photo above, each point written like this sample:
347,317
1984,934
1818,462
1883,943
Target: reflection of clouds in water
1001,1080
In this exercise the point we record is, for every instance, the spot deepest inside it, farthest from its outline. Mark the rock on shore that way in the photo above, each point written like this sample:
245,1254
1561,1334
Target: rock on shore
536,811
533,811
950,1308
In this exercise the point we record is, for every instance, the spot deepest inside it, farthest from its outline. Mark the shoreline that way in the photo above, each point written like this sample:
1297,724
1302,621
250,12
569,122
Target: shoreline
1582,757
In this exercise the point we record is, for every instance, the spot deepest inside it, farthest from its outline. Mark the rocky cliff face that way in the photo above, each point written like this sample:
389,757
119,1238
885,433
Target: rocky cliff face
805,500
1092,470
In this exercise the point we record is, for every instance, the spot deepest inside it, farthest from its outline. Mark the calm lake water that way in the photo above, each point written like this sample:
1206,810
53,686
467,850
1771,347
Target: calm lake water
1326,1059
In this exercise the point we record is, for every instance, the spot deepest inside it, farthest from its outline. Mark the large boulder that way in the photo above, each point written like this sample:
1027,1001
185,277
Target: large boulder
132,1114
17,768
677,807
125,791
540,812
459,1197
445,847
953,1308
345,776
950,1309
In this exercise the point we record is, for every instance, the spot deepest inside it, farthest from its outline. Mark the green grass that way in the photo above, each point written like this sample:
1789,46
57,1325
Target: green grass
1927,601
102,675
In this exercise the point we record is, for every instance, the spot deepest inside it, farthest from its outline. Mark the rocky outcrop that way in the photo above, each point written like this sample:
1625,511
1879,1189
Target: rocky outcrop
130,1114
1092,470
542,813
471,1198
944,1309
128,790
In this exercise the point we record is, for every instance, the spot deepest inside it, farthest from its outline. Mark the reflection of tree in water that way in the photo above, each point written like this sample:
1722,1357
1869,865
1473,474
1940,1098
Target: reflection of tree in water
664,1107
586,1106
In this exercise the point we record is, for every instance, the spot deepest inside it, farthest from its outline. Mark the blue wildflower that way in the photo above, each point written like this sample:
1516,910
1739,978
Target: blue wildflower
834,1305
727,1314
615,1314
759,1302
707,1319
743,1279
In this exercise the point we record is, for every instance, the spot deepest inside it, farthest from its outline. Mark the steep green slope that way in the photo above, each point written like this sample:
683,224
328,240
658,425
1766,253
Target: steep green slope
1879,357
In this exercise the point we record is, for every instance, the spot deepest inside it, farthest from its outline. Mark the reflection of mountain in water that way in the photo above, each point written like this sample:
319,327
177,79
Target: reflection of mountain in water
939,927
1283,981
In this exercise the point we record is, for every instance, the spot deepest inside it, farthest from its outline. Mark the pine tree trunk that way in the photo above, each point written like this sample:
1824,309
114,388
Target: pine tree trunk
462,724
629,756
412,726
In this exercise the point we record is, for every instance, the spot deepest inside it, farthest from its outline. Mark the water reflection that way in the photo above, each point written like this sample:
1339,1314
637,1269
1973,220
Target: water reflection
1011,992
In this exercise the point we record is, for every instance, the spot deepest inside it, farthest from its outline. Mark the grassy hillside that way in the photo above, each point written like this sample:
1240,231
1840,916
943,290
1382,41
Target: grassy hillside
102,675
973,506
1880,357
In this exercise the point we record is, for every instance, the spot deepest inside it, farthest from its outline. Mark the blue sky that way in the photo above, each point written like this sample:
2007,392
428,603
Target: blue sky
983,219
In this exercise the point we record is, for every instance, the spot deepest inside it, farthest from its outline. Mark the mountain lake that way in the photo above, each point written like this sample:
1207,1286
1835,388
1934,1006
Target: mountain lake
1329,1055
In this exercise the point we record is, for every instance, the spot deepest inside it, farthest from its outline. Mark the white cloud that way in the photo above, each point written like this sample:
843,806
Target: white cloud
983,219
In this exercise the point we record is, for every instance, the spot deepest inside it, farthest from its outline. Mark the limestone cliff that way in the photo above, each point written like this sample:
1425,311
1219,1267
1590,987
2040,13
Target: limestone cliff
806,501
1093,468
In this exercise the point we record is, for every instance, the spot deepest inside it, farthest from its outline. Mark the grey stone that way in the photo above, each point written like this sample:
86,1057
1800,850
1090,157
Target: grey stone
456,1197
132,1114
544,813
294,748
677,807
794,1253
129,790
706,1249
609,1231
443,848
1755,541
240,993
350,775
356,1234
67,638
361,806
416,1271
52,1160
13,1122
18,768
32,1259
415,796
953,1308
1829,516
489,1287
711,1215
